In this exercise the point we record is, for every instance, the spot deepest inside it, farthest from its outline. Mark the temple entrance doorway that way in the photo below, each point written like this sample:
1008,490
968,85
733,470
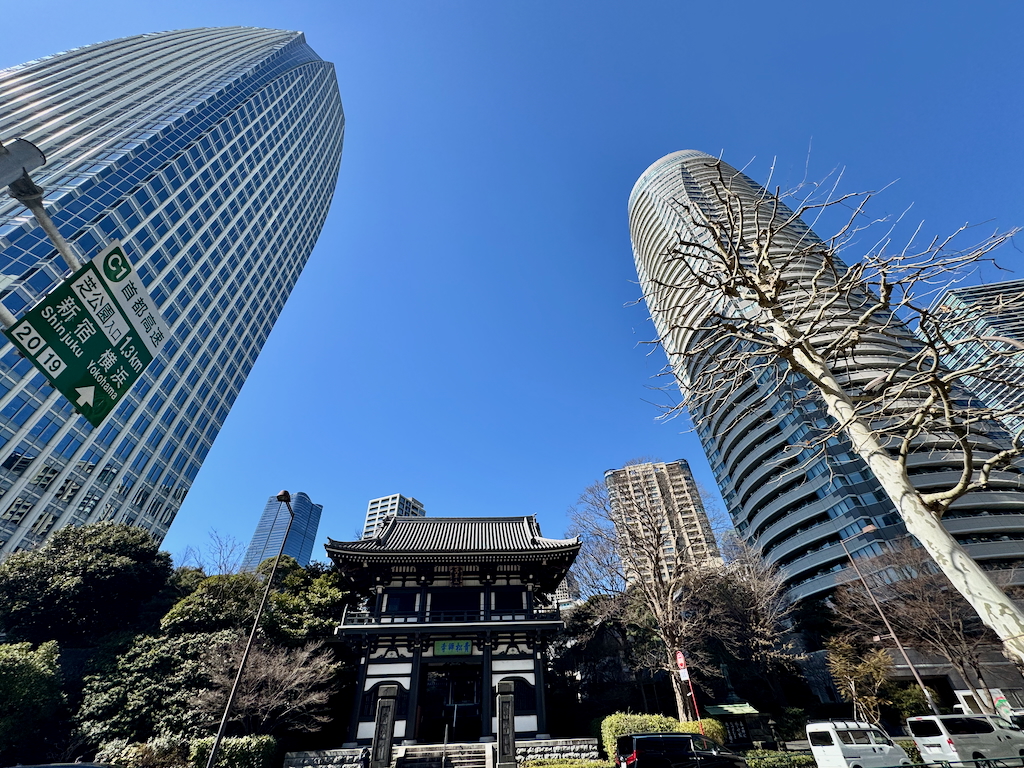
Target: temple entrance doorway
450,699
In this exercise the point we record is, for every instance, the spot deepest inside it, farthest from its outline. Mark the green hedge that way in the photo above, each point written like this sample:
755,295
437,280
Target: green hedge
178,752
242,752
622,723
566,763
911,749
770,758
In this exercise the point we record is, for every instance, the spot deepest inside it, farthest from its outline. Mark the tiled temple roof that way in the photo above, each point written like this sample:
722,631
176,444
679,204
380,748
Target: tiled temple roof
456,535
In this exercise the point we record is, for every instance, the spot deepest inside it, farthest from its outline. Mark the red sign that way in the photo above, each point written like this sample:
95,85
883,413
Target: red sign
680,660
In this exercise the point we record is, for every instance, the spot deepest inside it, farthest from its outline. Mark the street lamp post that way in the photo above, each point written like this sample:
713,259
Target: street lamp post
16,160
885,619
285,498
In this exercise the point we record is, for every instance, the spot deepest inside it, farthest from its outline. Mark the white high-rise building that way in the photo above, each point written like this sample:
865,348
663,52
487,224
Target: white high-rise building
786,493
395,505
664,494
212,154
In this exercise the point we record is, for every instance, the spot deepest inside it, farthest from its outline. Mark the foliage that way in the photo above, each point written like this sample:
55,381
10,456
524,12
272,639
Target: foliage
305,604
566,763
178,752
859,676
221,602
241,752
281,688
30,694
910,747
908,699
622,723
150,690
83,582
161,752
771,758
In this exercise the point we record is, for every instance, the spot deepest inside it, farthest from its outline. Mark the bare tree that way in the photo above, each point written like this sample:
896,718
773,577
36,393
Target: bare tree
626,558
222,555
924,610
697,607
746,292
281,688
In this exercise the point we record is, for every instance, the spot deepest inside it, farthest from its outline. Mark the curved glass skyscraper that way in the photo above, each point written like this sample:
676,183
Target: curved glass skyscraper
786,493
212,154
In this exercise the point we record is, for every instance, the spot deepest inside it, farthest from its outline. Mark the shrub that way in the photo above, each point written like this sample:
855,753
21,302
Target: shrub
565,763
161,752
241,752
911,749
621,723
770,758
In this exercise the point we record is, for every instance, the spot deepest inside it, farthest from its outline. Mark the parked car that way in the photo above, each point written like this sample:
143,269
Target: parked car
965,737
673,750
853,744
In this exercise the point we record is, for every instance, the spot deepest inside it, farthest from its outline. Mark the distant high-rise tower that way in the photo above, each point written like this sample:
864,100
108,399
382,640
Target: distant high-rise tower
995,312
212,154
266,541
793,501
395,505
666,493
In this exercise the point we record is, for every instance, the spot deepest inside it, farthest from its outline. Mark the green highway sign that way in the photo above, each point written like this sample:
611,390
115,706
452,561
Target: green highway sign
94,334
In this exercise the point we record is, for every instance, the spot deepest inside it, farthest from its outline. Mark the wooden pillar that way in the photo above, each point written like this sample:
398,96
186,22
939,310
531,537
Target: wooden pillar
486,727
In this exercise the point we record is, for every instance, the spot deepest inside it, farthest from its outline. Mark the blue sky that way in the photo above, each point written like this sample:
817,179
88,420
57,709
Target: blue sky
465,331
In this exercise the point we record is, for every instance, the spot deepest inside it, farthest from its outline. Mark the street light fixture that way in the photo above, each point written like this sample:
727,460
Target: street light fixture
16,161
885,619
283,498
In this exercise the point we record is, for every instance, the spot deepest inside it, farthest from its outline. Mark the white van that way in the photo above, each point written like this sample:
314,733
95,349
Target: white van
853,744
965,737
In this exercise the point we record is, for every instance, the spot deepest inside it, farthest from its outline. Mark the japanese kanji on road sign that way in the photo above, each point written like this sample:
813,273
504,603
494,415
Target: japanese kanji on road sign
94,334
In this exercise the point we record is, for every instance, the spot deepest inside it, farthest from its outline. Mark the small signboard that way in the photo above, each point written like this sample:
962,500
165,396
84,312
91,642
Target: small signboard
453,647
94,334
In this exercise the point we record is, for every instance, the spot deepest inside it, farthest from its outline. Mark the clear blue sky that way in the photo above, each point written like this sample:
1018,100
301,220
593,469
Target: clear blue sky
463,332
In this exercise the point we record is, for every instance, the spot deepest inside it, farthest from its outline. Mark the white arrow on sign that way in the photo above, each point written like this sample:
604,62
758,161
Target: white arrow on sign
85,395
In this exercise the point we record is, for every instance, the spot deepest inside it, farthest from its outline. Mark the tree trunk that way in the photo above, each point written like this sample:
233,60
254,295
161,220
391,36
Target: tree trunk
994,607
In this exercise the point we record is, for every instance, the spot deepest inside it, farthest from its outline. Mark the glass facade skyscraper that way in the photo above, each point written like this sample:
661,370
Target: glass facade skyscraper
266,541
983,318
789,491
212,154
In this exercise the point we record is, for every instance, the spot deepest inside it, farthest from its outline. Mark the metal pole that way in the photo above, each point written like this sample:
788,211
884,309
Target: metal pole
31,196
888,626
286,498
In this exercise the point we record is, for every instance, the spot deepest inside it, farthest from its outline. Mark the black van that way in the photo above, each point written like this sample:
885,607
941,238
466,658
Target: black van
673,750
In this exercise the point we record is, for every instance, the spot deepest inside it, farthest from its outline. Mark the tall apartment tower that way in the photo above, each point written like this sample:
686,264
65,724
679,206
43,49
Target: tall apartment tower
996,312
212,154
266,541
666,492
793,501
395,505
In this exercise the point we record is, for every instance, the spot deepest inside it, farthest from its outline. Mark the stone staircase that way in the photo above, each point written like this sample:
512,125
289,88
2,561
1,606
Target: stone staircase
468,755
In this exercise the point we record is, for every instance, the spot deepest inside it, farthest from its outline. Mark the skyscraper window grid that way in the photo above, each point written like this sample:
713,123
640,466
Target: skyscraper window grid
786,492
218,185
395,505
993,312
266,540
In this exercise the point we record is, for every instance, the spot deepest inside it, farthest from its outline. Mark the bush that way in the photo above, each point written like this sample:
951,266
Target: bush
243,752
911,749
770,758
161,752
622,723
566,763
